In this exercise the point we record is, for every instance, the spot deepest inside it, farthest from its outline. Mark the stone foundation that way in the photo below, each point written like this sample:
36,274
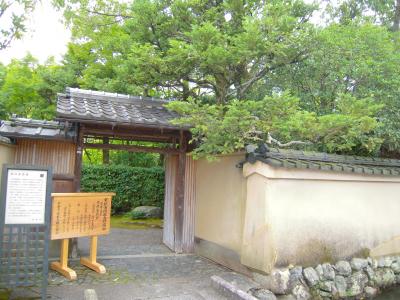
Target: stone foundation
358,278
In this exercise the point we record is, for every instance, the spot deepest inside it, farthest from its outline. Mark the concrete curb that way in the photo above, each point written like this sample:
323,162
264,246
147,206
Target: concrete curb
230,290
90,294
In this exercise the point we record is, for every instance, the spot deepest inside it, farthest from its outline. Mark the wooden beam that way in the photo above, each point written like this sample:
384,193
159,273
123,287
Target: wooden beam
78,160
133,134
63,177
115,124
77,181
139,138
138,131
180,194
130,148
189,205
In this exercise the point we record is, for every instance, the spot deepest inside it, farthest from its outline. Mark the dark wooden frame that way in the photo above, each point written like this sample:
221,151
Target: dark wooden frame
178,138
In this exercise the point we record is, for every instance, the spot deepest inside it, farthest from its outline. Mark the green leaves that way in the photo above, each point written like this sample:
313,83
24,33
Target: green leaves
358,60
222,129
186,48
29,89
133,186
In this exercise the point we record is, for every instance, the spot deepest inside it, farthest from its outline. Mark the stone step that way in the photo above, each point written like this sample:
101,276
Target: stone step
239,287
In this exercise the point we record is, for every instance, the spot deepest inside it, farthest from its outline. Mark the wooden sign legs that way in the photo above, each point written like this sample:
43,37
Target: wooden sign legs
62,266
90,262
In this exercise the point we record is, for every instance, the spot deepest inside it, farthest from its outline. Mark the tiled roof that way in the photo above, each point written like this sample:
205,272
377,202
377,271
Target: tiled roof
323,161
29,128
4,140
81,105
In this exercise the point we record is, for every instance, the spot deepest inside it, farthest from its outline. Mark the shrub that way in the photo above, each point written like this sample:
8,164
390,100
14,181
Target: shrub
133,186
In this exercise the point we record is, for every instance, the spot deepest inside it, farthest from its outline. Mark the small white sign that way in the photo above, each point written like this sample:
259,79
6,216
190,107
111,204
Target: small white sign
26,197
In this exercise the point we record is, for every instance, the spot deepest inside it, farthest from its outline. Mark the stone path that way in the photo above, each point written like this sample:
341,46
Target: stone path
175,277
138,266
127,242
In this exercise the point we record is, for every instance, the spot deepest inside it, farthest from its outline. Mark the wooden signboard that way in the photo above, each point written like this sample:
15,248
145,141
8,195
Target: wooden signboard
77,215
80,214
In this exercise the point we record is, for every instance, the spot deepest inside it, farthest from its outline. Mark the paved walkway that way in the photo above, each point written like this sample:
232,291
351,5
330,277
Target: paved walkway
174,277
138,267
127,242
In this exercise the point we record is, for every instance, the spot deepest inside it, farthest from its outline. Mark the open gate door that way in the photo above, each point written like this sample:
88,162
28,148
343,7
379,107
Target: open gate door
171,169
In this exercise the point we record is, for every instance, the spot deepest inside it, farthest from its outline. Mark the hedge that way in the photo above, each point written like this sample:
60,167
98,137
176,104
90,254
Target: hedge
134,186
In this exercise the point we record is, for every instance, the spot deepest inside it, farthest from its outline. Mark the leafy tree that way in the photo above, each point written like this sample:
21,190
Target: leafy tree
29,89
13,16
187,48
228,128
144,160
358,60
386,12
219,51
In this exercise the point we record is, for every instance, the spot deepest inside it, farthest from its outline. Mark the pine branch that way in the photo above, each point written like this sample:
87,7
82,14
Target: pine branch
271,140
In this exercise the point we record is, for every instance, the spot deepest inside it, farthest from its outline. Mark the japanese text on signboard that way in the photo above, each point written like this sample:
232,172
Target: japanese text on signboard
80,215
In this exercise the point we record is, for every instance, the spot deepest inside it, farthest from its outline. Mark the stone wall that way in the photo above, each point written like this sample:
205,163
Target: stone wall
358,278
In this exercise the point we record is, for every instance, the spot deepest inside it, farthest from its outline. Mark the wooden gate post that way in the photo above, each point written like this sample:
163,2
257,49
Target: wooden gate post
180,194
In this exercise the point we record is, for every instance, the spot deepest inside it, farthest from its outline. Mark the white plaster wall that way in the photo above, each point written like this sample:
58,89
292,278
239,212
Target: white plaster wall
316,216
220,193
273,217
331,219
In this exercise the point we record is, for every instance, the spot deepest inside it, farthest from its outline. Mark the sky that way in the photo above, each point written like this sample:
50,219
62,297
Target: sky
46,36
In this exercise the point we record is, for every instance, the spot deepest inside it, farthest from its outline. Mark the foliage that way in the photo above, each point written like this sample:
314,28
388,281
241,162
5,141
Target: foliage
133,186
358,60
186,48
13,16
132,159
386,12
335,85
29,89
225,129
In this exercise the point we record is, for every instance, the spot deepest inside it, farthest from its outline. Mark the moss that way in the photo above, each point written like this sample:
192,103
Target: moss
5,294
313,252
126,222
362,253
315,294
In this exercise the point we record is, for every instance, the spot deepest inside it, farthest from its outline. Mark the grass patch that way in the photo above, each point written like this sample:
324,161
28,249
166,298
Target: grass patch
127,223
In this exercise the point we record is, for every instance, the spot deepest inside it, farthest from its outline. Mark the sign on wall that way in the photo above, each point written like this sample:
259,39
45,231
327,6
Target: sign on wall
80,214
25,196
24,226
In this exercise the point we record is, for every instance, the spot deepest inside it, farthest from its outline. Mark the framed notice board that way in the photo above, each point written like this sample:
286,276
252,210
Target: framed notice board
80,214
25,226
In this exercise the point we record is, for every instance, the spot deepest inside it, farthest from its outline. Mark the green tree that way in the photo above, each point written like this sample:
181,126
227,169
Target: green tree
187,48
29,89
386,12
358,60
229,128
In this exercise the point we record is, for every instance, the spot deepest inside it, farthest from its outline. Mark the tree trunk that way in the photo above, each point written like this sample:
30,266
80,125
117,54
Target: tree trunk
396,18
221,89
